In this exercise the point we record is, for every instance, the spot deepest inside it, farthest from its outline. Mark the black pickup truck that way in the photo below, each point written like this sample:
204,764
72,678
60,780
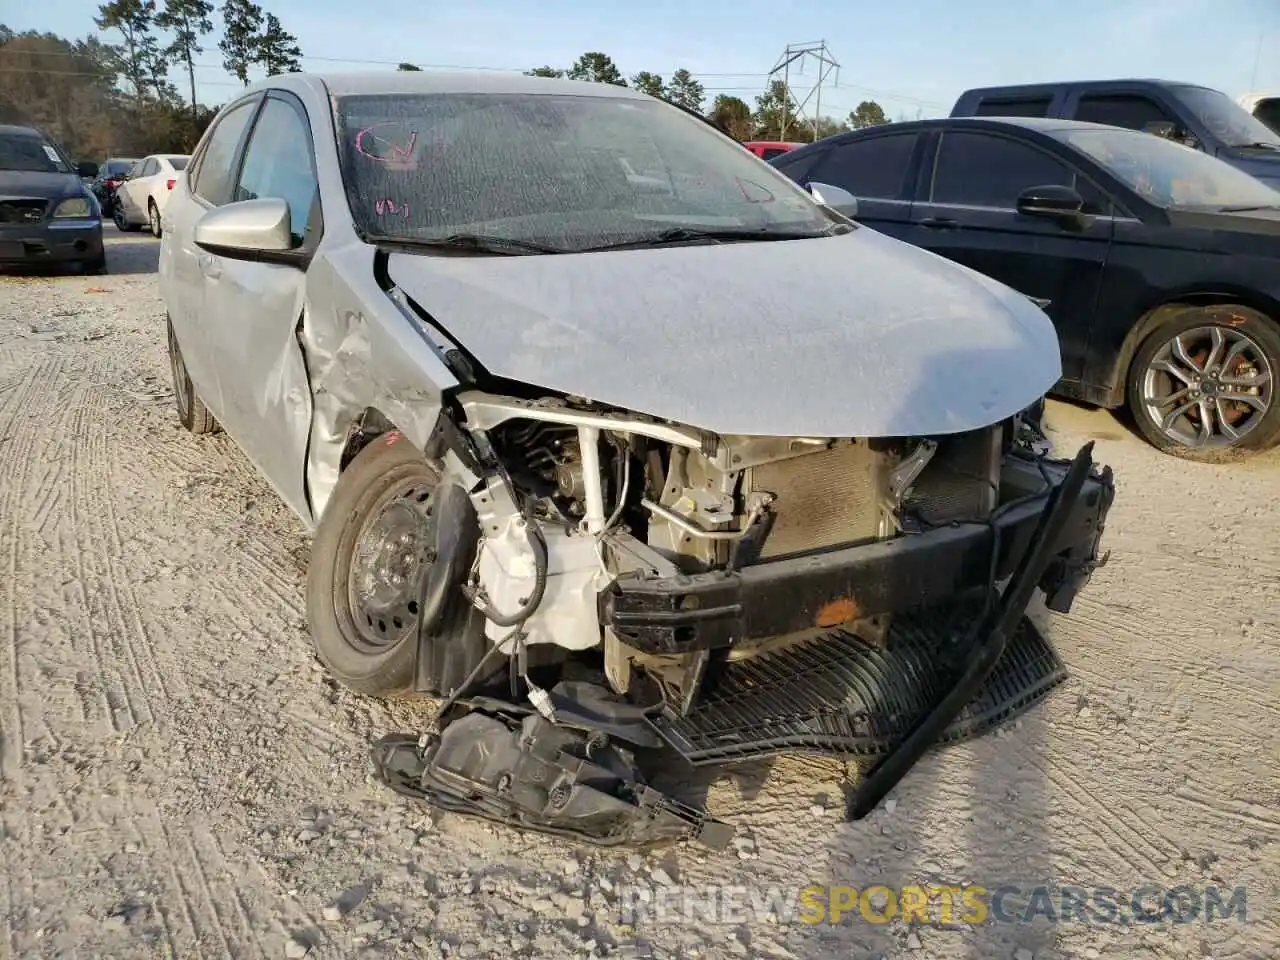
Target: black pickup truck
1200,117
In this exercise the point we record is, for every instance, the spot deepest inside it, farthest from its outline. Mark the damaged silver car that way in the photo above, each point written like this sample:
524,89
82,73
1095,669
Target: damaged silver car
613,439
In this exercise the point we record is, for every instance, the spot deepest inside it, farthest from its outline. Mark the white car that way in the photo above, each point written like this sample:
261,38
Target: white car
141,198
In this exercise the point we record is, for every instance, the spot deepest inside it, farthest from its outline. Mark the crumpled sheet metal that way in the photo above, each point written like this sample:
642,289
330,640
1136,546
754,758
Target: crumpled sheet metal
362,352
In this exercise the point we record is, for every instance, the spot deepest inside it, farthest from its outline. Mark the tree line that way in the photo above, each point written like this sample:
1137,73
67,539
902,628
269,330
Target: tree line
114,93
776,115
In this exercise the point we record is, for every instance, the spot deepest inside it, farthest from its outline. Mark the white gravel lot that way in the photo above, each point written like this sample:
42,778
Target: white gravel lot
178,778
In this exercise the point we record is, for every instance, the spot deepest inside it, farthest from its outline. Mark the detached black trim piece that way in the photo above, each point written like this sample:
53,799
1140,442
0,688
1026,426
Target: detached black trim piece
719,609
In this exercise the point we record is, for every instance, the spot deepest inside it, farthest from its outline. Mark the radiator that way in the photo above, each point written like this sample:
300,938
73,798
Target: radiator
824,499
960,482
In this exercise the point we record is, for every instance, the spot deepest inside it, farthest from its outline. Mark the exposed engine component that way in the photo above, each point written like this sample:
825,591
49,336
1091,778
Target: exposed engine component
826,498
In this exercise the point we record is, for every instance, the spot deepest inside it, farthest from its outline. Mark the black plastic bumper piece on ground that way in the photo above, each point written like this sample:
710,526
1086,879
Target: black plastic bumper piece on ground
991,635
721,609
837,694
525,772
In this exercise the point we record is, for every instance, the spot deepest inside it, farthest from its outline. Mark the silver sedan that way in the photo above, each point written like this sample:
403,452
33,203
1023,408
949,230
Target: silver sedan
523,353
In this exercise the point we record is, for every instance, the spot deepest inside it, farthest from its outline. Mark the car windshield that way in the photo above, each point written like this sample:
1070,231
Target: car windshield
1169,174
562,172
117,168
178,163
1225,119
22,151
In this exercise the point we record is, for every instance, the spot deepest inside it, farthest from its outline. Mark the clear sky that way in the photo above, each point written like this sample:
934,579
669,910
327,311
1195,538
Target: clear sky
910,55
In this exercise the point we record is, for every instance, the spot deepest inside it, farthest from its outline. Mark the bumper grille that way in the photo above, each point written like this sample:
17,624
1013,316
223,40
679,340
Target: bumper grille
16,212
823,499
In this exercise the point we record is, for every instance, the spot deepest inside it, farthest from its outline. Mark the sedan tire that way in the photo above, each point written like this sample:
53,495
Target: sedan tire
122,222
1203,385
372,551
192,412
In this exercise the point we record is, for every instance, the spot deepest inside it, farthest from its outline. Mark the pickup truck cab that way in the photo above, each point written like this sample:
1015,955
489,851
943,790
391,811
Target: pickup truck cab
1199,117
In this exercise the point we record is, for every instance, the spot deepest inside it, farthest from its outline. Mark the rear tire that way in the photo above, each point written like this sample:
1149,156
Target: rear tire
1198,361
192,412
153,219
122,222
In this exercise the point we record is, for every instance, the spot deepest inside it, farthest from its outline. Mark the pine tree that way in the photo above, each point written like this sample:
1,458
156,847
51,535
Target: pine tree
242,21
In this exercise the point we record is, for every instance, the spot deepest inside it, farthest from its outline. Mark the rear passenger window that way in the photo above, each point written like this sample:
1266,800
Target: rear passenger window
214,177
875,168
1014,107
1122,110
771,152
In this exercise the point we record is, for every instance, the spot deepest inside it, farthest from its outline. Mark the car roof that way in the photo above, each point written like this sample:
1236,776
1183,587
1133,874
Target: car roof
1038,124
374,82
1081,84
16,128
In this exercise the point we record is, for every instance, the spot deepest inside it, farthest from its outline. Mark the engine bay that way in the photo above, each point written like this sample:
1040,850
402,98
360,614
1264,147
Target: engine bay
573,499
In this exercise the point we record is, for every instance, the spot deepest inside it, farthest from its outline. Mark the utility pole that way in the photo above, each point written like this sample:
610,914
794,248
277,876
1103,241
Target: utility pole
798,53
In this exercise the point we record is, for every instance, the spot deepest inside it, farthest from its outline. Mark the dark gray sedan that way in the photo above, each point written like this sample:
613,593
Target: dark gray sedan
48,216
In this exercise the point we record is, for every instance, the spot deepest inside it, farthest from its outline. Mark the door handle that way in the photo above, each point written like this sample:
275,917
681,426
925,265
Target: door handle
209,266
939,223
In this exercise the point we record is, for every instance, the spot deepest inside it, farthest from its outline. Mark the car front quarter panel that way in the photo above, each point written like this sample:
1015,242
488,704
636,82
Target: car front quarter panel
363,350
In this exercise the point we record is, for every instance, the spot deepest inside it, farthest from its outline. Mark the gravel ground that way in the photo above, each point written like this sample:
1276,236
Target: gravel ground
178,777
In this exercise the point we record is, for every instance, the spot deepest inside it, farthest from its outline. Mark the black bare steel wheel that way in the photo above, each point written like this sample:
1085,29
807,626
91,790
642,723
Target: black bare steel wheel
192,412
1203,385
372,551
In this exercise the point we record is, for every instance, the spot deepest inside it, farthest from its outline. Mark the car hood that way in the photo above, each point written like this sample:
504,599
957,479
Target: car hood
852,336
31,183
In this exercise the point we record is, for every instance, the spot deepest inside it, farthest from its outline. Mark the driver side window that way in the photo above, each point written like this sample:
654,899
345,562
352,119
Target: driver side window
278,163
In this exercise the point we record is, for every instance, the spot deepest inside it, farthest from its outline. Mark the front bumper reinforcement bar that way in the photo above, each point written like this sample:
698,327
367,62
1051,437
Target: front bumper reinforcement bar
985,642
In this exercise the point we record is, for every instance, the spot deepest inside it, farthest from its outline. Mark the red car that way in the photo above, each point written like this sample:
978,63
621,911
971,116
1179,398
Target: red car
768,149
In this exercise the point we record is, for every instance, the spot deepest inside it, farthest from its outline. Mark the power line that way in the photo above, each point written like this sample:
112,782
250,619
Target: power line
884,94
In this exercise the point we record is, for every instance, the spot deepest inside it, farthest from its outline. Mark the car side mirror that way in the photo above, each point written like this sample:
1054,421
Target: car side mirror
835,198
245,228
1053,200
87,169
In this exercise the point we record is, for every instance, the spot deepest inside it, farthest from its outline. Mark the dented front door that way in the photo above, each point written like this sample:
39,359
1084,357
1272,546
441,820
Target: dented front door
252,310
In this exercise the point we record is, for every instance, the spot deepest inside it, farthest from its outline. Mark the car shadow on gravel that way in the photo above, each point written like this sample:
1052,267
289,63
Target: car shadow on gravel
968,814
131,254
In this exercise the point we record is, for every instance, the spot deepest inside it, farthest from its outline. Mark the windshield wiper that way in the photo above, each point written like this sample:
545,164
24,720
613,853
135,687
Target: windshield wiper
675,235
475,242
1256,145
1245,208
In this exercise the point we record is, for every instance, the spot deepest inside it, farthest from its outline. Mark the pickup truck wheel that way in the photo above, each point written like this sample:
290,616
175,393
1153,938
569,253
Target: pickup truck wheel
1202,385
192,412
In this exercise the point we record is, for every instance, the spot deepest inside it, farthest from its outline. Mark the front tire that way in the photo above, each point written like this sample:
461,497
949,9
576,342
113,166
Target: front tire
1202,385
192,412
367,564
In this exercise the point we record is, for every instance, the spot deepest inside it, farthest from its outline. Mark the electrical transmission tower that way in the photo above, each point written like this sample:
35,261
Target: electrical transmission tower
793,60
